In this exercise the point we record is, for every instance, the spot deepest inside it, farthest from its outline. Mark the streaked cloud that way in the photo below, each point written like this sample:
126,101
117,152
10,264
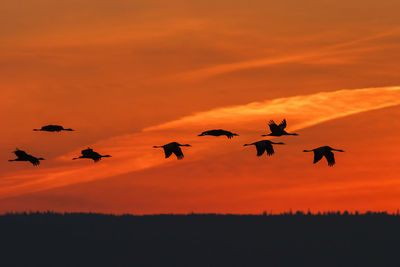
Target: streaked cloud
303,111
322,54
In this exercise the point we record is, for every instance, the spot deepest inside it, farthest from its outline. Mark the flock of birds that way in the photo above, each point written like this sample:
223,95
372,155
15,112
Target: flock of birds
174,147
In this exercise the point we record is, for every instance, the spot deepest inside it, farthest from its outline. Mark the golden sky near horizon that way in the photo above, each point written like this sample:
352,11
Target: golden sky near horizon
128,75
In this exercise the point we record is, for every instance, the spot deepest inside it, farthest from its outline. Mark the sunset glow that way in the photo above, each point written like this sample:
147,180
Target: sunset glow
128,75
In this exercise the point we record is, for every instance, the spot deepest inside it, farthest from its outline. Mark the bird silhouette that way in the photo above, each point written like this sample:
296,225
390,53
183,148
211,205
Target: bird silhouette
90,154
219,132
324,151
264,145
53,128
278,130
23,156
173,147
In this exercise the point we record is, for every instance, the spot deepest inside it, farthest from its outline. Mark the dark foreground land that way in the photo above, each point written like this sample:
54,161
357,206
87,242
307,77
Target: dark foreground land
50,239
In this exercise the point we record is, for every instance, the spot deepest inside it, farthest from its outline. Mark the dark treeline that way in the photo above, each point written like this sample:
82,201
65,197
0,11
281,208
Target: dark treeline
289,239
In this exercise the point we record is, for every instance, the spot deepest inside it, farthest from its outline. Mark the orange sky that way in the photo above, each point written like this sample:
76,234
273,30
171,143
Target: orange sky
129,75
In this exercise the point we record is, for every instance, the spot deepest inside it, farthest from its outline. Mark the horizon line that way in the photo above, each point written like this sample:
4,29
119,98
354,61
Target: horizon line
264,213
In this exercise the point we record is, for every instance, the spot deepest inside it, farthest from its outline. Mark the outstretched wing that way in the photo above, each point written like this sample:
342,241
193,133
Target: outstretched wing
330,158
211,132
270,149
21,154
35,161
87,152
282,125
317,155
167,151
260,148
95,156
178,152
273,127
227,133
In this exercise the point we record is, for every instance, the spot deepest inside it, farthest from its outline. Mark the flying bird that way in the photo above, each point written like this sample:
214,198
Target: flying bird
264,145
90,154
53,128
278,130
324,151
219,132
23,156
173,147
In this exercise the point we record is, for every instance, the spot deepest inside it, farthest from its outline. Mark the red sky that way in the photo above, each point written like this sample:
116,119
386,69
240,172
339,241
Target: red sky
129,75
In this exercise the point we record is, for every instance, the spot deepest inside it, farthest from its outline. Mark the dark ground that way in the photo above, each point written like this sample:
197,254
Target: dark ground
50,239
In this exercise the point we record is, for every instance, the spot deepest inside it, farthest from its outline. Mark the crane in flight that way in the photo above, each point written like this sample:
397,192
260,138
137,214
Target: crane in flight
219,132
23,156
53,128
278,130
90,154
324,151
173,147
264,145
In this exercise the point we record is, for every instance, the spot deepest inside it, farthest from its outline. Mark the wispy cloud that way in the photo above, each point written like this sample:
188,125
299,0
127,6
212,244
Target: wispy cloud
304,110
350,47
134,152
